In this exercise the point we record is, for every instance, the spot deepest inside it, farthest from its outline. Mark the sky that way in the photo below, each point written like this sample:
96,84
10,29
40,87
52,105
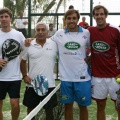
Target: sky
1,3
84,7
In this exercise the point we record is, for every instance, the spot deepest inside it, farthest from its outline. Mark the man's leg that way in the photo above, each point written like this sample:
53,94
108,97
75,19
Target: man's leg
53,102
118,111
15,108
83,113
1,114
29,110
101,110
49,114
69,111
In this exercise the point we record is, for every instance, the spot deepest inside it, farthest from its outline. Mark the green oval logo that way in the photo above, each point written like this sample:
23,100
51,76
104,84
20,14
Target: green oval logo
100,46
72,45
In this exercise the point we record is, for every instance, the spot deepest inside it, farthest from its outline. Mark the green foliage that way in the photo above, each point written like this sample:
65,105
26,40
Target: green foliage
41,6
16,6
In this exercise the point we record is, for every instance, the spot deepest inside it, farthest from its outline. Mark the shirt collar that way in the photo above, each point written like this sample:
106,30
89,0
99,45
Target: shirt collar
33,42
79,30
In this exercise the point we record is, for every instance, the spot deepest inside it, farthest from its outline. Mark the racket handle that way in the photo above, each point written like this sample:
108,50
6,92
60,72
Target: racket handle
0,69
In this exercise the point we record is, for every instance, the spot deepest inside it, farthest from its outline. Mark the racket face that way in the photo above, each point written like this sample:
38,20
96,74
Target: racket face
11,49
40,85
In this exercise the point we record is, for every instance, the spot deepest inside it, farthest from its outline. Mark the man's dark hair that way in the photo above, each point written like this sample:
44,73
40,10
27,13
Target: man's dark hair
72,11
20,12
99,7
50,24
6,10
71,7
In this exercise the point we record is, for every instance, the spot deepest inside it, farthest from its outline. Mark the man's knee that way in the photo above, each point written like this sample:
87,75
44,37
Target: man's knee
101,105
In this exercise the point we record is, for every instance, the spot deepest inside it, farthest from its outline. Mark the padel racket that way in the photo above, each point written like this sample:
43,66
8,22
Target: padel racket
40,85
118,100
10,50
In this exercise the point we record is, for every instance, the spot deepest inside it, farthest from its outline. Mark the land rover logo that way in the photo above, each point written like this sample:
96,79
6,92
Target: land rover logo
100,46
72,45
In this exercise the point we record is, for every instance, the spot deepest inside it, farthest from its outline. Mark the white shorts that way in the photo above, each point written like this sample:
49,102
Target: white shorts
101,87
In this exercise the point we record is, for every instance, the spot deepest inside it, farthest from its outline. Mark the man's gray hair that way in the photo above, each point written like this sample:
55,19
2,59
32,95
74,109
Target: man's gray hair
41,23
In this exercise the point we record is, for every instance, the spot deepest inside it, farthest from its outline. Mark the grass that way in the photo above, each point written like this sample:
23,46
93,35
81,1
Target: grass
110,111
111,114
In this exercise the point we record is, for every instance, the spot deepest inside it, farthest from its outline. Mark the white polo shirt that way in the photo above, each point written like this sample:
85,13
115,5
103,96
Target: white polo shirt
41,59
72,52
19,23
51,33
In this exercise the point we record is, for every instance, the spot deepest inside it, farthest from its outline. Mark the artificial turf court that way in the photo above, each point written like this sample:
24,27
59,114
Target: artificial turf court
110,111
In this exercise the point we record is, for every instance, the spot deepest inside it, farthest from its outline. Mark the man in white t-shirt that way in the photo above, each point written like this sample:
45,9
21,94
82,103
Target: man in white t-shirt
10,76
51,30
42,55
73,69
20,24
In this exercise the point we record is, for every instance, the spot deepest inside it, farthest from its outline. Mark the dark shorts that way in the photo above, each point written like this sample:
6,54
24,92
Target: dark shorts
10,87
31,99
24,32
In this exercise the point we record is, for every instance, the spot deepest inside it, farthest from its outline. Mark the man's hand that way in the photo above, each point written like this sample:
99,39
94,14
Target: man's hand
28,41
27,79
2,62
25,23
87,60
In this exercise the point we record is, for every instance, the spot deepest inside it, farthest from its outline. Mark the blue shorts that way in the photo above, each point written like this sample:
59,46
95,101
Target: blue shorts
76,91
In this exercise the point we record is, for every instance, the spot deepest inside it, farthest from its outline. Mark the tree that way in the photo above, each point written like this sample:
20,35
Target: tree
59,3
47,9
17,5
